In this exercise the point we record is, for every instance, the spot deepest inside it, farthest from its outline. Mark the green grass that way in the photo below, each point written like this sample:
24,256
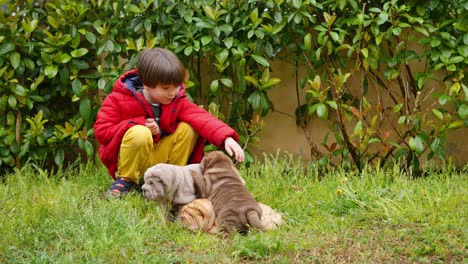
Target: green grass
372,217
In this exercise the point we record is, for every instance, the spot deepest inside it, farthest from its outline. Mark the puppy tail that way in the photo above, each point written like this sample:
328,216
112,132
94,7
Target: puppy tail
254,219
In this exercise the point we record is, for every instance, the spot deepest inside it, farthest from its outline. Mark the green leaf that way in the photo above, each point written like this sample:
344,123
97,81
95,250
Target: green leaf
227,82
322,111
382,18
332,104
254,15
435,42
15,59
203,24
228,42
214,86
261,60
7,47
29,63
89,148
102,83
222,56
91,37
252,80
443,99
435,145
29,26
422,31
80,64
334,36
205,40
255,100
79,52
59,157
396,31
456,59
209,12
397,107
365,52
316,83
12,102
456,124
270,82
308,42
451,67
85,109
463,111
401,120
133,8
188,50
312,108
358,128
391,73
19,90
416,144
76,87
51,71
62,58
438,114
52,21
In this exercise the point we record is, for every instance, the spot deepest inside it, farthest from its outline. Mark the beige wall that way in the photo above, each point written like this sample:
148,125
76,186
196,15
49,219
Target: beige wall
280,132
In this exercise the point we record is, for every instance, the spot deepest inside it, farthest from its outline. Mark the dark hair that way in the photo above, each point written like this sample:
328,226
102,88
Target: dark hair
160,66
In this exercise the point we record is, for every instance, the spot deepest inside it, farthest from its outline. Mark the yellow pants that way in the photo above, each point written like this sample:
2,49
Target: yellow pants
138,152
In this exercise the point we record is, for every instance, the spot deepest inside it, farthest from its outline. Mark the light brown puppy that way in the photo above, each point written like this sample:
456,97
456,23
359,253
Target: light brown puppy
199,216
234,206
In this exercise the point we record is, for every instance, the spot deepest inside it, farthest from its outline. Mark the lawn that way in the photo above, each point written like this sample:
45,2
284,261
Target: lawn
377,216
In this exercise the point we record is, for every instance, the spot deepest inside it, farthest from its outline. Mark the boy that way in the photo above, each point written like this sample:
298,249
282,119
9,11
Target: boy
147,119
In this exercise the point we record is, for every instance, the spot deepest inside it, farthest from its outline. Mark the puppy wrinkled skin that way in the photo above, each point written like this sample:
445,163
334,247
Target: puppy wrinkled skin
199,216
220,182
171,183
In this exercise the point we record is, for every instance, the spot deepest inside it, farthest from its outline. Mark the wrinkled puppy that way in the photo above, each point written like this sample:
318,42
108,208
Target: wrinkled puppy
220,182
199,215
171,184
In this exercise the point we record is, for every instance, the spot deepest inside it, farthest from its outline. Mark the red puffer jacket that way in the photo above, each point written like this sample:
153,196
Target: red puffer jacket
124,108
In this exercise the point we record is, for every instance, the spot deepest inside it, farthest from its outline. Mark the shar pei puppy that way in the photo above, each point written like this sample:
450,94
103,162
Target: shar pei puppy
171,184
220,183
199,215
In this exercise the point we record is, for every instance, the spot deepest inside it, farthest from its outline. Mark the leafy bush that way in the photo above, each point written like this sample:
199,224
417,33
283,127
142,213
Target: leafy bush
398,112
59,58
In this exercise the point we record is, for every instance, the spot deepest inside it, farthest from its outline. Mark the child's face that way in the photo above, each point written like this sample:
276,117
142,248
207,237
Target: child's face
161,93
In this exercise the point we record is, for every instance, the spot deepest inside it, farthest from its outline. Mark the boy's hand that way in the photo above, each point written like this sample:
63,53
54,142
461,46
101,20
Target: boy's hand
152,125
232,147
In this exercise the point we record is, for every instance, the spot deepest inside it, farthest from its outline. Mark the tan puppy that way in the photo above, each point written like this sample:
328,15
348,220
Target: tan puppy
234,206
199,215
170,183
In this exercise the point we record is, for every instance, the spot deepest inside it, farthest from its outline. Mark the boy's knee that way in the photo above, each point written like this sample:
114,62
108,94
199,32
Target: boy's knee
138,136
185,130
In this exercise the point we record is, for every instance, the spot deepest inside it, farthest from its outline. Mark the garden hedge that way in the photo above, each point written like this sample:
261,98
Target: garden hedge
58,59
